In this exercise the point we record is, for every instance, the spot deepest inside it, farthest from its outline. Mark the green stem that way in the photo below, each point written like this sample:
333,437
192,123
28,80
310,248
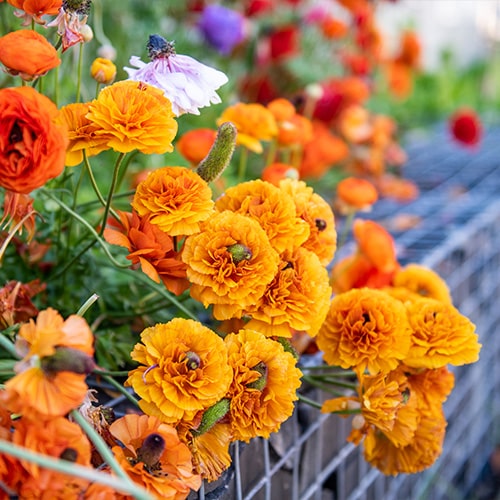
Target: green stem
309,401
79,73
9,346
88,303
325,382
119,388
271,153
242,167
56,86
345,229
107,207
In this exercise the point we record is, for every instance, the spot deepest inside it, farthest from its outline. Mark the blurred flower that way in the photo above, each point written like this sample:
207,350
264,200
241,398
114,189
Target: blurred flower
175,199
15,302
195,144
276,172
258,7
333,28
365,329
183,368
71,23
253,122
151,248
264,386
355,124
103,70
465,127
273,208
355,194
230,263
283,42
132,115
409,50
221,27
154,457
186,82
293,129
28,54
18,214
399,79
35,9
402,190
32,145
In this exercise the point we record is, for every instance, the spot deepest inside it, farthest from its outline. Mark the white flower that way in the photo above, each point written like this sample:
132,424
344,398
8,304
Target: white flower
186,82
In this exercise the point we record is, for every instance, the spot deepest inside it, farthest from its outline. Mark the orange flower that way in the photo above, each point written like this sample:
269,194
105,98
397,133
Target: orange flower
409,51
400,79
333,28
403,190
195,144
254,123
365,329
271,207
356,194
150,248
355,124
440,335
103,70
312,208
32,145
18,214
230,263
81,133
37,8
282,109
297,299
28,54
275,172
154,457
293,129
175,199
15,302
264,386
132,115
183,369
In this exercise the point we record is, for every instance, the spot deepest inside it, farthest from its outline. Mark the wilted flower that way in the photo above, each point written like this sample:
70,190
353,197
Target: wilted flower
15,302
186,82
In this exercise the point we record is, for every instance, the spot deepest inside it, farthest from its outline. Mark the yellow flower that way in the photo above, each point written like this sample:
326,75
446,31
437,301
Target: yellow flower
365,329
440,335
271,207
103,70
132,115
230,263
264,387
175,199
183,369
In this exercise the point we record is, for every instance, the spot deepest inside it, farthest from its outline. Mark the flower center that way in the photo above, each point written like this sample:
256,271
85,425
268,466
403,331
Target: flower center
151,451
16,134
159,47
193,361
320,224
239,252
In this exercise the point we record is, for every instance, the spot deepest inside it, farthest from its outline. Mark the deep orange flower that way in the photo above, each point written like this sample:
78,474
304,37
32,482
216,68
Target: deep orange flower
103,70
15,302
312,208
81,133
465,127
254,123
431,386
297,299
230,263
18,214
132,115
28,54
37,8
403,190
409,50
365,329
273,208
195,144
175,199
183,369
154,457
32,145
281,108
440,335
355,124
355,193
264,387
333,28
293,129
151,248
275,172
399,79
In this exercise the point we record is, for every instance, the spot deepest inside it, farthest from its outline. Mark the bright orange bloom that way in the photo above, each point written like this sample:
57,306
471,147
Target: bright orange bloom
37,8
151,248
154,457
254,123
28,54
403,190
410,50
365,329
297,299
355,193
264,385
183,369
103,70
275,172
195,144
431,386
440,335
355,124
32,145
132,115
15,302
282,109
293,129
333,28
400,79
81,133
230,263
175,199
353,5
273,208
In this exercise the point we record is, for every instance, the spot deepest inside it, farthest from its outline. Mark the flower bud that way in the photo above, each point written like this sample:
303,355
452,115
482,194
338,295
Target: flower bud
103,70
211,416
67,359
87,33
261,382
151,450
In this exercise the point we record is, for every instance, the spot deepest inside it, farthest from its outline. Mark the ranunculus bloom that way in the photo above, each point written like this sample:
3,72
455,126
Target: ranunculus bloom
183,368
195,144
276,172
103,70
465,127
132,115
356,194
175,199
32,144
28,54
264,385
365,329
230,263
221,27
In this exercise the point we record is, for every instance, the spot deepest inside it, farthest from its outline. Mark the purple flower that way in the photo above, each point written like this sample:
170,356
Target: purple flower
221,27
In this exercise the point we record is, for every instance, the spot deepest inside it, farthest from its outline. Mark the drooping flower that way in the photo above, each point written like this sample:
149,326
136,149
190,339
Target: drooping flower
354,193
195,144
28,54
187,83
15,302
18,214
133,115
230,263
151,248
264,386
154,457
103,70
32,144
35,9
440,335
221,27
465,127
272,207
365,329
175,199
183,369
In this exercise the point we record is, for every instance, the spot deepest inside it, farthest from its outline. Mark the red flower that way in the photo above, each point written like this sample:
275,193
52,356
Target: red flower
466,127
283,42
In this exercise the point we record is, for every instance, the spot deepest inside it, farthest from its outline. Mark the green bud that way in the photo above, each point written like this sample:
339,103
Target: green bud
261,382
67,359
220,154
287,346
211,416
239,252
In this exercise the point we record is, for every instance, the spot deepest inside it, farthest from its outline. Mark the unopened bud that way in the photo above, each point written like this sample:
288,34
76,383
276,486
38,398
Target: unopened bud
358,422
239,252
211,416
151,450
87,33
103,70
287,345
261,382
67,359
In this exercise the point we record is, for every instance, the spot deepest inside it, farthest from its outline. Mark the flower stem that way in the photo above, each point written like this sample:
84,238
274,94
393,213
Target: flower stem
79,73
242,167
107,207
118,387
309,401
8,345
345,230
88,303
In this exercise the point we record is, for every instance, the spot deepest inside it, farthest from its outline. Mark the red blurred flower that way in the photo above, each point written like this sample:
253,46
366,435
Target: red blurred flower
283,42
465,127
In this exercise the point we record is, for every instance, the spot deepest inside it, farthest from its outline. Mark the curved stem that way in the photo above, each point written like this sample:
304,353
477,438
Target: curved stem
309,401
118,387
107,207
